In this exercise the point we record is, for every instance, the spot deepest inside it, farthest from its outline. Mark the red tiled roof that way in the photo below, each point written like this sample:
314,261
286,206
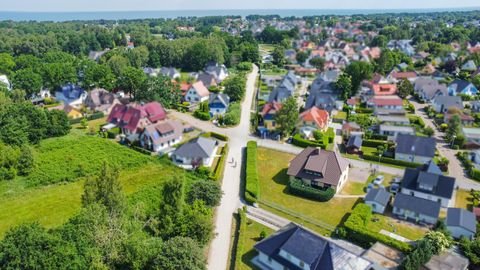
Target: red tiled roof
129,117
271,107
384,89
391,101
476,211
320,117
404,75
352,101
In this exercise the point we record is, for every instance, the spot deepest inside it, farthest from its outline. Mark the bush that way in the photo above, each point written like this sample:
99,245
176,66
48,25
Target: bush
475,174
232,116
242,228
252,187
215,135
205,116
373,143
357,230
94,116
364,110
220,168
297,187
301,142
392,161
379,137
244,66
415,120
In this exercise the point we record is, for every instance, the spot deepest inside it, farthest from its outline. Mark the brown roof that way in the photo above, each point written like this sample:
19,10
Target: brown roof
329,164
271,107
201,89
164,131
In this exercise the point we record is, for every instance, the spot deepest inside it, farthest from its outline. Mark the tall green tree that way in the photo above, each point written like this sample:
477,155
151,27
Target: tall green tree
358,71
317,62
132,80
98,76
287,117
160,89
344,84
28,80
301,57
235,87
179,253
405,88
7,63
278,56
454,127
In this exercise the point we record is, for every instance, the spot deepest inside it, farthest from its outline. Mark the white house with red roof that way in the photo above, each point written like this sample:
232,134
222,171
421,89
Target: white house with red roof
197,93
133,118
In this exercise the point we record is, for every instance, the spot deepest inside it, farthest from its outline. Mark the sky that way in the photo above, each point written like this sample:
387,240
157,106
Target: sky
134,5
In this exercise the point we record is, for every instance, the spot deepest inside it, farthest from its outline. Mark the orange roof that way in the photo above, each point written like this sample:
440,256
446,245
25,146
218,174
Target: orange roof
404,75
320,117
271,107
384,89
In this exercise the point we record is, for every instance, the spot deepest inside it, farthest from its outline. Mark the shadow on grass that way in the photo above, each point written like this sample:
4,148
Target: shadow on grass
248,257
281,177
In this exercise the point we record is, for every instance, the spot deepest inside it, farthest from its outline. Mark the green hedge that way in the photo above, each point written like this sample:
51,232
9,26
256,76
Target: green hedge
415,120
242,228
141,150
215,135
364,110
91,117
220,168
252,187
392,161
205,116
297,187
379,137
357,230
373,143
301,142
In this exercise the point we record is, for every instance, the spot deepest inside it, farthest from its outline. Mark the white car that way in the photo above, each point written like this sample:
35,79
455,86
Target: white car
378,180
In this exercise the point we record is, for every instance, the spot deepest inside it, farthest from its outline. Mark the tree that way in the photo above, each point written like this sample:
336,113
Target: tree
57,74
454,127
358,71
344,84
471,248
379,41
160,89
317,62
104,189
28,80
405,88
98,76
235,87
428,131
132,80
118,64
171,209
278,56
59,125
439,241
138,56
208,191
179,253
25,163
7,64
301,57
286,118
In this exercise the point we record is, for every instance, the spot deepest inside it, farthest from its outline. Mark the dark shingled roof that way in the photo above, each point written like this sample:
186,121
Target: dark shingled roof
311,249
355,141
414,145
417,205
378,195
197,148
443,185
459,217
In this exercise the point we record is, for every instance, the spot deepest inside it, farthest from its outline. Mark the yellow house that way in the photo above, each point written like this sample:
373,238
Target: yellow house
268,114
72,112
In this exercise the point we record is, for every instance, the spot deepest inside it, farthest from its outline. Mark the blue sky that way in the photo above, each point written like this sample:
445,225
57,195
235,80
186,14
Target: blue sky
125,5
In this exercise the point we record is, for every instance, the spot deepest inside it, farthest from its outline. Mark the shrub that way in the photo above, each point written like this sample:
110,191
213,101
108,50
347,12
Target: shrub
301,142
215,135
392,161
242,228
220,168
373,143
297,187
364,110
244,66
94,116
379,137
415,120
357,230
205,116
252,188
232,116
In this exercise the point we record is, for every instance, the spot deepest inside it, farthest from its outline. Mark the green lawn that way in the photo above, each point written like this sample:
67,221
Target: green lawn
251,237
391,224
341,115
463,199
353,188
272,166
266,47
96,124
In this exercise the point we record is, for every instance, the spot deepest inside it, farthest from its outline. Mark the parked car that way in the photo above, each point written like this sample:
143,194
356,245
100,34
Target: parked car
378,180
394,188
369,187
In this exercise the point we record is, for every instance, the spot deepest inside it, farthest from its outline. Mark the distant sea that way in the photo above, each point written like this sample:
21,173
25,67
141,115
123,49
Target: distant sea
118,15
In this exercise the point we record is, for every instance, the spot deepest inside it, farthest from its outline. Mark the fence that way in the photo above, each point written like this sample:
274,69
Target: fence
280,208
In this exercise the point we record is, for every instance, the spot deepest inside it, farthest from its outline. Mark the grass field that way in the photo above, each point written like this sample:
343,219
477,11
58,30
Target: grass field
353,188
463,199
272,166
251,237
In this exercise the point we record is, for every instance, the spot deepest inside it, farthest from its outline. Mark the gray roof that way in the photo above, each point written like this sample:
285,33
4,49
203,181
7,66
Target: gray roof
311,249
320,100
417,205
219,98
355,141
430,87
378,195
459,85
449,101
443,185
414,145
285,89
458,217
200,147
169,71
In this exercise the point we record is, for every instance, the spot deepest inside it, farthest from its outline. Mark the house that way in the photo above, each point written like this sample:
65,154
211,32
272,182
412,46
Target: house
415,149
378,199
170,72
220,72
197,93
384,257
322,101
384,89
133,118
386,102
161,136
465,119
404,46
442,104
397,76
351,127
293,247
469,66
416,209
100,100
473,137
195,153
268,113
311,120
218,104
461,223
462,87
447,260
70,111
96,55
428,182
71,94
152,72
207,79
427,89
393,131
354,144
396,120
330,75
285,89
319,168
4,80
475,106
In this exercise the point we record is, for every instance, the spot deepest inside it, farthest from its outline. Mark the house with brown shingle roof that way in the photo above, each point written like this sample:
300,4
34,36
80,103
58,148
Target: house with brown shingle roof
311,120
100,100
162,135
197,93
319,168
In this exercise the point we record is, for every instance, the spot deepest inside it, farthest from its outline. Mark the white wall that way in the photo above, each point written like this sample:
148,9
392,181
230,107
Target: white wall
376,207
458,232
443,201
412,158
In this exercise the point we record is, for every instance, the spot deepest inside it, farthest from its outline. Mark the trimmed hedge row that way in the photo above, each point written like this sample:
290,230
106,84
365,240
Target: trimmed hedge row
220,168
91,117
205,116
242,228
215,135
252,188
301,142
357,230
417,121
364,110
373,143
464,158
379,137
392,161
296,187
